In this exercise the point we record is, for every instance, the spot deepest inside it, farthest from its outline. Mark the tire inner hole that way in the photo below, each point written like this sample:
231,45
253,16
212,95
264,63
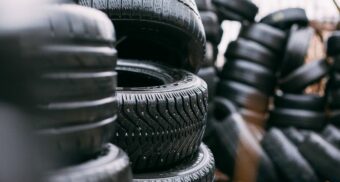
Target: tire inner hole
135,79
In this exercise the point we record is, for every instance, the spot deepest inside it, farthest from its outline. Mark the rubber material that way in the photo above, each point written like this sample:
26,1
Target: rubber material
112,165
249,73
223,107
334,80
66,114
334,118
294,135
225,14
149,29
296,49
336,63
162,114
212,27
244,8
236,150
59,39
286,157
333,99
297,118
270,37
333,47
77,143
209,75
324,158
243,95
285,18
75,86
204,5
332,135
199,168
304,76
210,55
300,101
251,51
65,39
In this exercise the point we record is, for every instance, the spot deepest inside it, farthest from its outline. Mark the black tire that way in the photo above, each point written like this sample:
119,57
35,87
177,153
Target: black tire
209,75
151,29
270,37
333,99
243,10
285,18
62,44
232,142
297,118
336,63
66,114
64,40
204,5
333,47
287,158
304,76
212,27
60,39
334,118
296,50
112,165
198,168
72,53
332,135
243,95
324,158
334,80
300,101
210,55
250,74
252,51
75,86
73,144
162,117
294,135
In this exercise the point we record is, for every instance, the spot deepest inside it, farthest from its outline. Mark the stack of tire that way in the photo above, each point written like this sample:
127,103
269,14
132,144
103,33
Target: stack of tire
275,41
213,32
304,155
292,107
246,83
248,77
332,88
59,63
162,104
307,145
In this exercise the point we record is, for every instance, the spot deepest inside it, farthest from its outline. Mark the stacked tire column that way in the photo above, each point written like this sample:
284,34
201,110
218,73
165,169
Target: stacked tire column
162,107
293,107
248,77
295,152
333,83
67,57
213,32
246,83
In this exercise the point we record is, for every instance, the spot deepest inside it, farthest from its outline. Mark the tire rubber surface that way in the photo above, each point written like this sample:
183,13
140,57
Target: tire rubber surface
162,116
